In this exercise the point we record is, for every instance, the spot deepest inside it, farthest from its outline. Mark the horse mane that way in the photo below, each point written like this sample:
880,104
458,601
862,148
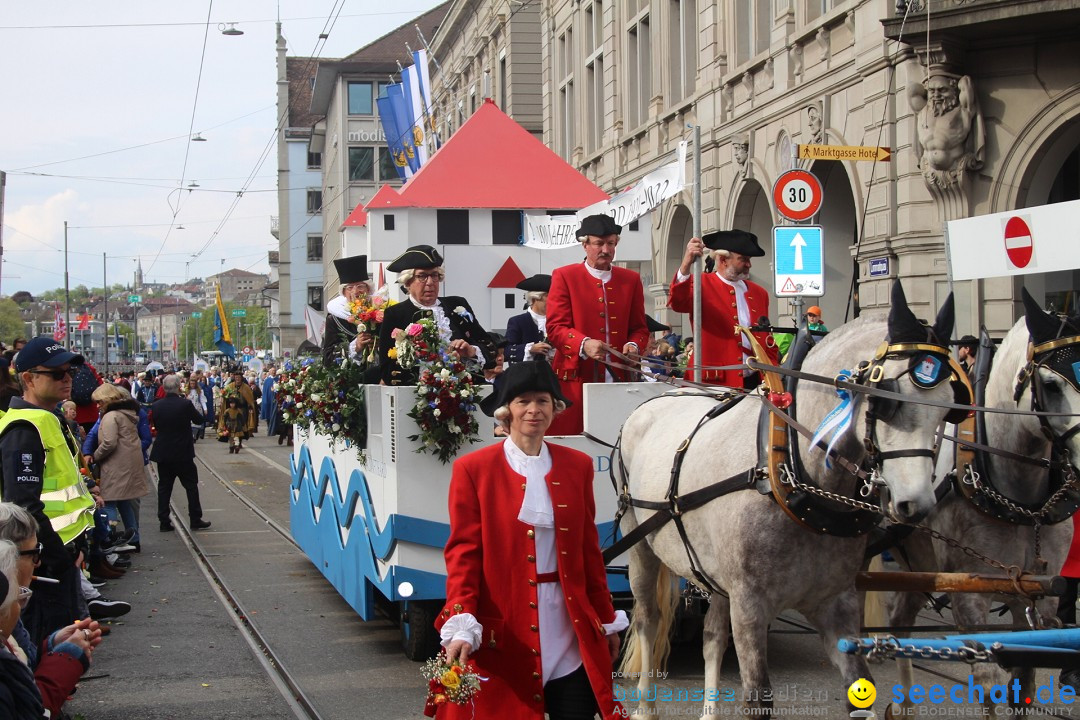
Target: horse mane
1010,358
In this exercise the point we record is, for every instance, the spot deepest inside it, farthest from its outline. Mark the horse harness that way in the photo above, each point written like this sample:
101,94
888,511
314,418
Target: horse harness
778,470
972,478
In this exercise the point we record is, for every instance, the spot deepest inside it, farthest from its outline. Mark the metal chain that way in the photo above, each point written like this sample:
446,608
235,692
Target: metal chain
887,647
971,477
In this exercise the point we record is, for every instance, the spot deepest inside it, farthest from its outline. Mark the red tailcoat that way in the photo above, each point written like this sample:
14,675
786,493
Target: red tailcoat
722,345
491,573
576,310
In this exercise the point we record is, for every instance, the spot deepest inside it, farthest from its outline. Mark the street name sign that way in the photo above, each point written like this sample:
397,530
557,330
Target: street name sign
857,153
797,194
133,299
239,312
1038,239
879,267
196,314
799,260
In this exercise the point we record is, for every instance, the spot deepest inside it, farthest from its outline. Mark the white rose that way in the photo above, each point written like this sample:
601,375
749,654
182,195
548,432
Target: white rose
335,427
316,397
437,412
444,373
464,393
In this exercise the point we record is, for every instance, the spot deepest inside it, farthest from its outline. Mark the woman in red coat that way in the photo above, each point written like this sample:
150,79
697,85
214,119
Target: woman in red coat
527,596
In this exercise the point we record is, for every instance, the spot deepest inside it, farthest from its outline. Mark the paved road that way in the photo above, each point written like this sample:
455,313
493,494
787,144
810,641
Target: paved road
179,655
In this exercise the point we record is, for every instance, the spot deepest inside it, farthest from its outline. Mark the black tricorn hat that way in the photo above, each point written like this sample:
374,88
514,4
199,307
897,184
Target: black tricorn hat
536,283
523,377
598,225
418,257
738,241
499,341
655,325
352,269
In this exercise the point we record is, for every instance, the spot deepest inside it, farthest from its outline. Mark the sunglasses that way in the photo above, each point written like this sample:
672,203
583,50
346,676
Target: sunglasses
57,375
34,553
25,594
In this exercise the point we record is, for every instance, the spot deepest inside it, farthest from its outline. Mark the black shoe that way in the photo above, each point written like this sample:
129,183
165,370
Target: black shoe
102,608
167,527
137,546
120,562
97,582
199,524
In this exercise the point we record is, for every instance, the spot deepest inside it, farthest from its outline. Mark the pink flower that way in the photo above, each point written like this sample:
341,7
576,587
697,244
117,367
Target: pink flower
378,316
414,329
395,333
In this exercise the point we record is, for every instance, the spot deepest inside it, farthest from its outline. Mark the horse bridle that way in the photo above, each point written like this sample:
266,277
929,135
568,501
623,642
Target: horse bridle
930,365
1055,355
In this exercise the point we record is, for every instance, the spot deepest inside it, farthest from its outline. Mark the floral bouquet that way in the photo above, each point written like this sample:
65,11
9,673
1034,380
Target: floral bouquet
326,398
451,682
445,395
367,314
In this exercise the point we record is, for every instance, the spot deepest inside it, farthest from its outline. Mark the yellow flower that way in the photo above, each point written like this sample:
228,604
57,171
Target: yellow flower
450,680
392,352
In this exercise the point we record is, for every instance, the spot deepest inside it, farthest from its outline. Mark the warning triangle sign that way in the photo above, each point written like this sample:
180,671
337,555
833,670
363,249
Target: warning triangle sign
788,287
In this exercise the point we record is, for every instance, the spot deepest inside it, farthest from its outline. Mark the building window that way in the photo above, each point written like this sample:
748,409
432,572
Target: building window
682,44
388,222
565,108
509,301
314,248
383,84
314,201
360,98
595,109
503,82
314,160
638,70
452,227
361,164
751,29
315,296
387,168
817,8
506,227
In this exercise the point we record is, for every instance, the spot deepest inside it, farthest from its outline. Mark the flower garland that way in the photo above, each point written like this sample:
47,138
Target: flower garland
451,682
366,313
445,395
326,398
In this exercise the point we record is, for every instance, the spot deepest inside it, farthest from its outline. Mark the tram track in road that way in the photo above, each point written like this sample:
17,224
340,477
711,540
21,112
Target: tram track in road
276,670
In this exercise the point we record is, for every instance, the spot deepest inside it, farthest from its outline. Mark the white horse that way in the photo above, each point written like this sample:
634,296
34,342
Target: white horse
1026,484
764,561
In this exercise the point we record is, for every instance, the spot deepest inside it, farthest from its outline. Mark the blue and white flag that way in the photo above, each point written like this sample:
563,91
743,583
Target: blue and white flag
399,107
153,340
410,79
838,421
431,133
393,137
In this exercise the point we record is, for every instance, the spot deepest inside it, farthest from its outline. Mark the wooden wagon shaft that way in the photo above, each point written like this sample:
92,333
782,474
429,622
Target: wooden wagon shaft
1034,585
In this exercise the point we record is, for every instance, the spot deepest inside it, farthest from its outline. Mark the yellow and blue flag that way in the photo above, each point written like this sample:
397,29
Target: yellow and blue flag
222,339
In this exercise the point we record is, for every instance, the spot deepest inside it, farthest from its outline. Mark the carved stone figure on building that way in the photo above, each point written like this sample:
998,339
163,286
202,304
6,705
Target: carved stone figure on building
813,119
740,149
950,137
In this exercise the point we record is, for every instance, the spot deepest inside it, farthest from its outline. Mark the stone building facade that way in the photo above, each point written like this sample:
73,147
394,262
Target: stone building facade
977,101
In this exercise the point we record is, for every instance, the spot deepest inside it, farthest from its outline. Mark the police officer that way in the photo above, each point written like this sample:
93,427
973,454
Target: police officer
40,466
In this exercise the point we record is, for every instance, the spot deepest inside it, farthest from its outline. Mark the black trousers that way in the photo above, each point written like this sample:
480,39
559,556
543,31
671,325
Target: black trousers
168,472
570,697
1067,603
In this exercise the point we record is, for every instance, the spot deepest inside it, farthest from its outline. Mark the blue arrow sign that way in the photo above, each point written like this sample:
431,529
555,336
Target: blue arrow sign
799,261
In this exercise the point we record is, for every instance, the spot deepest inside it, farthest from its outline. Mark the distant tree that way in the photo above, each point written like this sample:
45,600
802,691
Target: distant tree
11,322
22,297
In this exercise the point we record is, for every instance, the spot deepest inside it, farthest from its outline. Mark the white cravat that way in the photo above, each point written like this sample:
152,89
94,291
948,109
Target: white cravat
604,276
443,323
740,304
541,324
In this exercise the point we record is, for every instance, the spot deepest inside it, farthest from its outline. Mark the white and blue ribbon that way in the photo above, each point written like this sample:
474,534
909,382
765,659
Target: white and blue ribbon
838,421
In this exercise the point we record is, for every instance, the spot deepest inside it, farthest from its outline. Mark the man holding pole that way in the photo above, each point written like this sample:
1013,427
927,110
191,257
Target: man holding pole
729,298
592,308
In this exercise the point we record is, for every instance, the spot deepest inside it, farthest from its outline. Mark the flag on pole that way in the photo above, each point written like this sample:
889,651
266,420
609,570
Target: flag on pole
421,59
59,326
174,343
399,107
222,338
410,78
393,137
84,321
382,278
153,339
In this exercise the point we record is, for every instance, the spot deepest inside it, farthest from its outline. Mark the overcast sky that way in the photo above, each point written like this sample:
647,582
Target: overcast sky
100,97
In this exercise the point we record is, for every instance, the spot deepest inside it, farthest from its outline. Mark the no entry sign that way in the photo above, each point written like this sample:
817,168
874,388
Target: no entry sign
1018,244
797,194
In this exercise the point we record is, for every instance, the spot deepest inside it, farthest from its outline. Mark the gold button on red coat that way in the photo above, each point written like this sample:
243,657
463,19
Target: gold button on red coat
533,628
530,533
536,676
530,558
537,698
532,605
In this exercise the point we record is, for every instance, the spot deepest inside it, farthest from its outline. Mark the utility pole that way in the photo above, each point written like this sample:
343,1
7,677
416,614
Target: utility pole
67,294
3,188
105,329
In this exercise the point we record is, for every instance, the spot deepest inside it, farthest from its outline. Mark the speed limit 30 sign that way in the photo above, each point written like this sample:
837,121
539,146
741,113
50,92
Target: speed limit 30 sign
797,194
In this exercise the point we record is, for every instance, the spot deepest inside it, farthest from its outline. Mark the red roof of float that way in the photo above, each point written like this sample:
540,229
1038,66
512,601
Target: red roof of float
509,275
357,218
492,162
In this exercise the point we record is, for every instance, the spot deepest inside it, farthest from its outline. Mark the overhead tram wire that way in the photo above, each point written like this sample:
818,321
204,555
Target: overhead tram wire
99,26
191,129
320,44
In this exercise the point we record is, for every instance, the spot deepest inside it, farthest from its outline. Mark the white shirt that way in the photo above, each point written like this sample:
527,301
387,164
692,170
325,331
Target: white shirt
559,653
541,324
741,307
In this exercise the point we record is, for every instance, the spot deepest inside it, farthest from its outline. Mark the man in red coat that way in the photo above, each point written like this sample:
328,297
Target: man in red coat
593,307
728,298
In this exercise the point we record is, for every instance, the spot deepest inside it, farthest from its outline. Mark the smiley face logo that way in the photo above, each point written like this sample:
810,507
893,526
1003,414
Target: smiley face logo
862,693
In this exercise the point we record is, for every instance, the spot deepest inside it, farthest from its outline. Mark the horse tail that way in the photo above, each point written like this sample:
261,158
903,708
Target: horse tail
666,599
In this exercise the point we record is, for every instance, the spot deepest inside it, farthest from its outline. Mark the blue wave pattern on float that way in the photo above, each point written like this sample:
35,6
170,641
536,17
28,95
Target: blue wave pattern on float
352,566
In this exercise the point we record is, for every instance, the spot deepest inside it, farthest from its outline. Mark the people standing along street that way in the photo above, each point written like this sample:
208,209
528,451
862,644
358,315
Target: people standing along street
239,388
965,353
174,453
40,466
526,334
119,454
593,307
728,298
813,322
527,598
420,272
197,395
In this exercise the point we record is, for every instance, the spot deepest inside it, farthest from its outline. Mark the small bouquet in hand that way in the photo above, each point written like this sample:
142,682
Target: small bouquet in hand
367,314
451,682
